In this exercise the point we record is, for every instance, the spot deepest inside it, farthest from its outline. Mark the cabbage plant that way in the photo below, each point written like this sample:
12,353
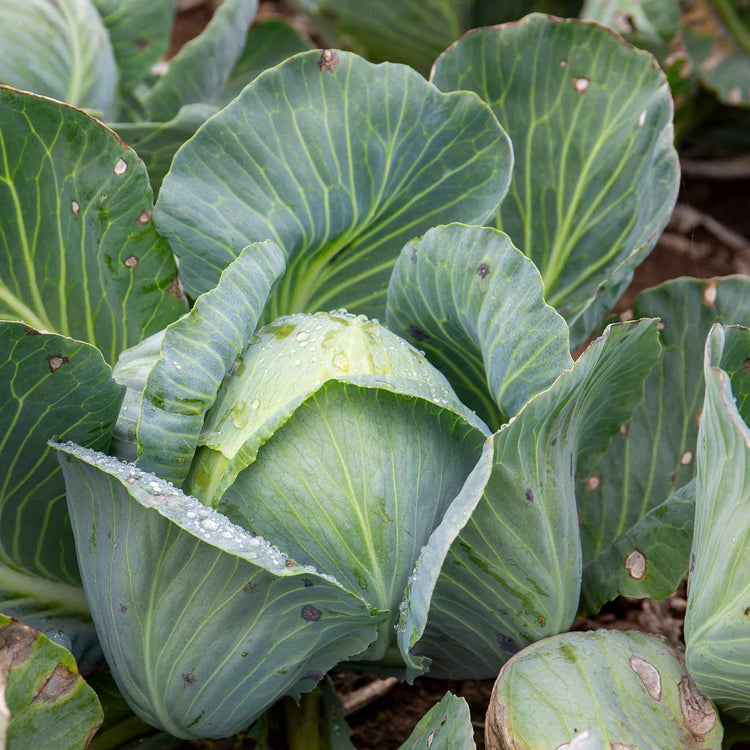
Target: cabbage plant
226,484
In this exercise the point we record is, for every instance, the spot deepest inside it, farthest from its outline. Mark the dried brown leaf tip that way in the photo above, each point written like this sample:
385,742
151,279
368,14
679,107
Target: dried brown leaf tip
16,642
56,361
329,61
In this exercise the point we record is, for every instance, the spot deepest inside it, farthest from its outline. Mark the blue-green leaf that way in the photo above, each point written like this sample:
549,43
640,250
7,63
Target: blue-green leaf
636,533
596,173
203,625
339,162
503,569
79,254
58,49
474,304
201,69
196,354
717,623
446,726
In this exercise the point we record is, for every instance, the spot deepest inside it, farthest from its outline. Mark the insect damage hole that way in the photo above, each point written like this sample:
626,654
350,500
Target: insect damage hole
56,361
329,61
635,564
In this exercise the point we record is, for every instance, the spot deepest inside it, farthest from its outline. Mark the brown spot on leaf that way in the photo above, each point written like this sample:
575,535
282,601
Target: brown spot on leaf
75,207
414,255
625,429
141,44
746,367
249,587
482,270
636,564
542,620
61,682
529,495
56,361
417,333
131,261
649,675
123,608
697,711
593,483
31,332
188,678
686,458
290,563
329,61
580,84
310,613
143,218
121,167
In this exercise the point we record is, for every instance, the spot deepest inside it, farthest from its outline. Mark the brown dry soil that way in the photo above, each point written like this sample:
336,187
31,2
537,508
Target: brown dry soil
683,251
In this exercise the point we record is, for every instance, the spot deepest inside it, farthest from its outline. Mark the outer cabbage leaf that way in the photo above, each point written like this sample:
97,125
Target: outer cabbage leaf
196,353
200,70
203,625
49,385
139,31
596,174
504,567
635,507
157,142
446,726
44,702
474,304
339,162
78,252
600,690
58,49
717,623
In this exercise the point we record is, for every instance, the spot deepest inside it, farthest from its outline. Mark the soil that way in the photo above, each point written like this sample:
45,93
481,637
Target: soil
683,250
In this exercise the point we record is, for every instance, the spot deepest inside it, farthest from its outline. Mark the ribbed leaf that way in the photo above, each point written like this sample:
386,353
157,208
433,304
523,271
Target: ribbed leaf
596,174
270,42
78,252
414,32
139,31
446,726
58,49
597,690
203,625
503,568
635,541
44,702
717,623
196,354
474,304
157,142
200,70
338,161
49,385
